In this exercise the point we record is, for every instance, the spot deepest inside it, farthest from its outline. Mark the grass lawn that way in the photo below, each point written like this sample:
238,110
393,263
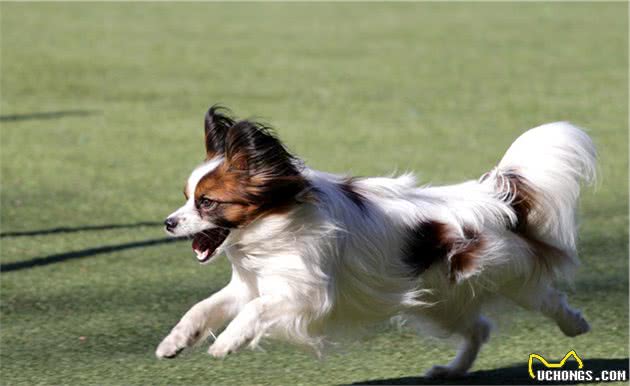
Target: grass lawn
102,106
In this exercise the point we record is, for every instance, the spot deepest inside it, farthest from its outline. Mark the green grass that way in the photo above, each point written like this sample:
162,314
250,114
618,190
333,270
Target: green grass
440,89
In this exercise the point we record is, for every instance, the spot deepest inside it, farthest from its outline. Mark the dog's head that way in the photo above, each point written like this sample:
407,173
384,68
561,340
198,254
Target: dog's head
247,174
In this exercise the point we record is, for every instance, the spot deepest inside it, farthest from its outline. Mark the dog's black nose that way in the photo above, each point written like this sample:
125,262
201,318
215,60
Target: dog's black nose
170,223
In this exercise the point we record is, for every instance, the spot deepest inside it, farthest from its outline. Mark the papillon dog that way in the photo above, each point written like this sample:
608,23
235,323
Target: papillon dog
315,256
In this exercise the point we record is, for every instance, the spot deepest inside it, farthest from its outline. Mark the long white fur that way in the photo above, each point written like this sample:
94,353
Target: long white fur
325,269
556,158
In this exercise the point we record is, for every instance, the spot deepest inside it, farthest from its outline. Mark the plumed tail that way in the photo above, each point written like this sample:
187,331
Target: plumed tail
540,177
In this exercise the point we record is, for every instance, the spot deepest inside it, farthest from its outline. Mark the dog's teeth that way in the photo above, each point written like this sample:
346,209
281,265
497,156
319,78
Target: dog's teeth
201,255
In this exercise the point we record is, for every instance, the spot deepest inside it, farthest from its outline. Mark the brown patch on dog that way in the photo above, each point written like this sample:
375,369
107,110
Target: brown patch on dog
432,241
427,243
223,184
241,198
465,254
349,189
226,187
520,194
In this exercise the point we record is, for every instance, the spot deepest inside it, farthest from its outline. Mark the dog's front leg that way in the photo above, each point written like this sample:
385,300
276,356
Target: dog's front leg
252,322
204,317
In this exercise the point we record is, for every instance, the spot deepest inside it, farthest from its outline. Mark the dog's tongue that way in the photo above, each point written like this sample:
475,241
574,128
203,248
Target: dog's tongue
205,243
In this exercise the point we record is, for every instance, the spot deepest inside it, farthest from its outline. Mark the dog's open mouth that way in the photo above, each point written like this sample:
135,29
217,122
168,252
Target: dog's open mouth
205,243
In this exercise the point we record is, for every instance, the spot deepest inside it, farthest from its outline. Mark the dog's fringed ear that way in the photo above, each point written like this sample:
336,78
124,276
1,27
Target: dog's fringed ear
251,147
217,122
273,174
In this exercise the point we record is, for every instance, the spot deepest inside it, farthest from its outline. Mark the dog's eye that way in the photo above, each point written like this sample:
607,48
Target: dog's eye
205,202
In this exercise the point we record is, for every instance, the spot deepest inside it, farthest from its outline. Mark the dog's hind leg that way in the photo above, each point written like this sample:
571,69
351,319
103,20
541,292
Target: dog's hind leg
474,338
555,306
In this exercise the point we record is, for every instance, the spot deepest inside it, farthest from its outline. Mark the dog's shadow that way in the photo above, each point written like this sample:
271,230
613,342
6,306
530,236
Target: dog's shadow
511,375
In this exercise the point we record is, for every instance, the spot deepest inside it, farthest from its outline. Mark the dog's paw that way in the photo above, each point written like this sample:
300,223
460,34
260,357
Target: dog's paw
575,326
444,372
219,352
171,346
224,346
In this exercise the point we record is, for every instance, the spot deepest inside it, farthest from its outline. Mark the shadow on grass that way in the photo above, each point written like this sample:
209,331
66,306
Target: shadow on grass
512,375
79,229
48,115
59,257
